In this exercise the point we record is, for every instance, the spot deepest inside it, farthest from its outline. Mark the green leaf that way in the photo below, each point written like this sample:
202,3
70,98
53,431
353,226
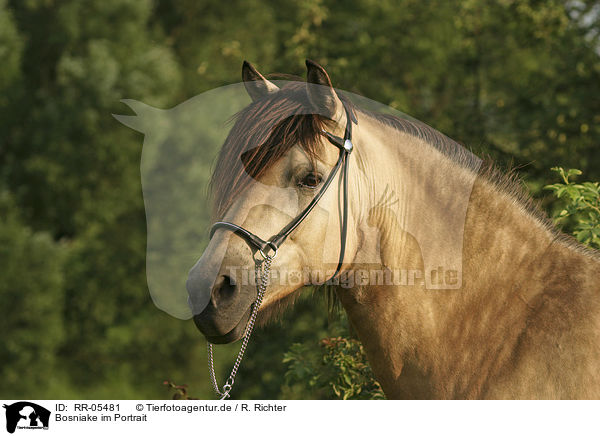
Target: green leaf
583,236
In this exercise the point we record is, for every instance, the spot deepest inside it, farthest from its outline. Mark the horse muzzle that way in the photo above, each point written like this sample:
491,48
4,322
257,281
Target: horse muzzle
226,315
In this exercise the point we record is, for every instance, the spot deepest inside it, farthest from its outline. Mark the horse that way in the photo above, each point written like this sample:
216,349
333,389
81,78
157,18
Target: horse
520,319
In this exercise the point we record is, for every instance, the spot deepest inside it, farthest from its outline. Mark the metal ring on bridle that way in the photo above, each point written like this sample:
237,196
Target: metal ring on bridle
273,247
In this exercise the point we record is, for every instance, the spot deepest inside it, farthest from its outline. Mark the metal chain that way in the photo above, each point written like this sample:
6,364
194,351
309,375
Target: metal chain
262,269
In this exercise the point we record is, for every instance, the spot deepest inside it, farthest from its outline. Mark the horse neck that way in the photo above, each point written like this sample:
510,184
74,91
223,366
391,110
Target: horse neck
411,334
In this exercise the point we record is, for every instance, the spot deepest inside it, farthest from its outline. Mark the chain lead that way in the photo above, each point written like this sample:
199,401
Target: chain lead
262,269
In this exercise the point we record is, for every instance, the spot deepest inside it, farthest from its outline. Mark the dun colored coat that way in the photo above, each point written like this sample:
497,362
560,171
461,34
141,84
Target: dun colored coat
525,322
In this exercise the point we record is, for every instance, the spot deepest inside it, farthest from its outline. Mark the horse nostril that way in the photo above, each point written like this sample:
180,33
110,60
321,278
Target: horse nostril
224,291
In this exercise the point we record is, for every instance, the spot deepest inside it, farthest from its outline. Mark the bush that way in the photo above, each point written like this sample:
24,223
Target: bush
338,369
579,213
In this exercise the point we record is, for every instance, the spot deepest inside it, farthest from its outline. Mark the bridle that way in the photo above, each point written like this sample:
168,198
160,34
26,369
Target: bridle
268,249
345,146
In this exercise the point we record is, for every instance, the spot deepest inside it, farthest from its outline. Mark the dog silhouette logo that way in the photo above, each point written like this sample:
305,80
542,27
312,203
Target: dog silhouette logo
26,415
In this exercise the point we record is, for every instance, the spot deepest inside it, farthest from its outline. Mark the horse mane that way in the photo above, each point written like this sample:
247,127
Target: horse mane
506,181
448,147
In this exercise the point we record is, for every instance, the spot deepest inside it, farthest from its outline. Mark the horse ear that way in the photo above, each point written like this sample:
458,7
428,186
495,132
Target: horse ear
255,83
323,97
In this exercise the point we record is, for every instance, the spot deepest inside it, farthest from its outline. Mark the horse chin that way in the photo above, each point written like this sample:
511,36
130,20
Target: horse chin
233,335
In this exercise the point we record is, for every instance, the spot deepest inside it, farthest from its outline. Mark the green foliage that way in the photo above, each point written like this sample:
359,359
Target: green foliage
11,46
338,369
31,268
580,207
70,166
73,173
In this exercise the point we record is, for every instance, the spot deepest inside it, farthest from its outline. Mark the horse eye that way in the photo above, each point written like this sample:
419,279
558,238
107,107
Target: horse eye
311,180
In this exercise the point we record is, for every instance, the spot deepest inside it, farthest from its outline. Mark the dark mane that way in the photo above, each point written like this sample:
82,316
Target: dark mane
441,142
507,181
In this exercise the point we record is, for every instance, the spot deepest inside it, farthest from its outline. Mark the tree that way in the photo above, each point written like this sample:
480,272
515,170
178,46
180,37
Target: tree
31,268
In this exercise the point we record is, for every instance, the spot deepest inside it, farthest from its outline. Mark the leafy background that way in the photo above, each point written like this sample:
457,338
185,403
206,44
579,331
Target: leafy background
517,80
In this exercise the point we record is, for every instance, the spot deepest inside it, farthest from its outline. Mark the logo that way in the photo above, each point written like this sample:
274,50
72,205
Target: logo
26,415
